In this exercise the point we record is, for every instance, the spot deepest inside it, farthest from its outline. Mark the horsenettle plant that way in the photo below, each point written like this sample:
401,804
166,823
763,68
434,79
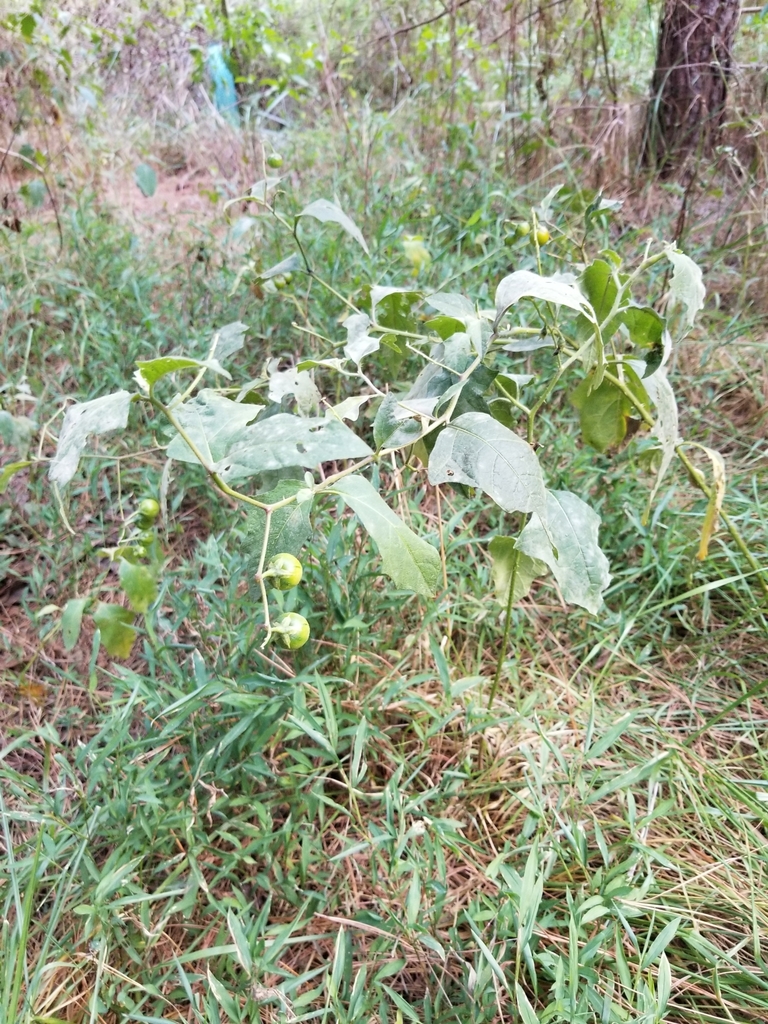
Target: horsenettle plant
276,445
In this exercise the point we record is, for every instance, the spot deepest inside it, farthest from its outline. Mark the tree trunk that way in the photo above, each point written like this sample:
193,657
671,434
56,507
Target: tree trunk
690,82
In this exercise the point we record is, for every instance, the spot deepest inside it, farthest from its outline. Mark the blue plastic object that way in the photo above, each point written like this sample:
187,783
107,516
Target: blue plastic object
224,95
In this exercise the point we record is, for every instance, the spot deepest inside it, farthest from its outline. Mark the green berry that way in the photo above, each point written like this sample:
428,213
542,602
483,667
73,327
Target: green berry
542,236
292,630
284,571
149,509
274,160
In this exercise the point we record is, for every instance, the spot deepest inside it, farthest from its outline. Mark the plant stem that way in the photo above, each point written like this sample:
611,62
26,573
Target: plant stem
507,624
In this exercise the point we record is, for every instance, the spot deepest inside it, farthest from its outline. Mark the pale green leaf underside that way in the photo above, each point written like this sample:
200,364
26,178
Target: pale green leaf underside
686,285
580,567
99,416
476,449
503,552
283,440
409,561
213,423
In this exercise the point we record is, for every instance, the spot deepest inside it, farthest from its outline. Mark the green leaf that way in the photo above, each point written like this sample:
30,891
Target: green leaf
644,324
34,193
504,553
138,584
578,564
152,370
289,527
409,561
71,620
446,326
228,340
284,440
392,308
328,212
526,1011
98,416
213,424
525,284
394,426
476,449
9,470
115,625
660,943
297,384
604,411
686,285
600,288
224,998
146,179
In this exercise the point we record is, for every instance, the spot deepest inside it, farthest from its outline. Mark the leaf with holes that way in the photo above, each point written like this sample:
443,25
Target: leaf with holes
284,440
213,423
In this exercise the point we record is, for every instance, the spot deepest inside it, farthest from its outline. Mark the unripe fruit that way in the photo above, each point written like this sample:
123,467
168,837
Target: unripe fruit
522,229
279,282
147,537
542,236
149,508
288,276
274,160
292,630
284,571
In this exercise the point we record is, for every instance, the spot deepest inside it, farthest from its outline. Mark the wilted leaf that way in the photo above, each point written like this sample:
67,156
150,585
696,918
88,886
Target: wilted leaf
715,502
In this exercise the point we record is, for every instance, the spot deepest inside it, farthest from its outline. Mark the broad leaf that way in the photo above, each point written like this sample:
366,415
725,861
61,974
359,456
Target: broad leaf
289,526
451,304
146,179
504,554
299,385
686,285
578,564
213,424
284,440
348,408
644,324
152,370
71,620
446,326
115,625
359,343
99,416
328,212
409,561
139,586
476,449
600,288
391,307
525,284
604,411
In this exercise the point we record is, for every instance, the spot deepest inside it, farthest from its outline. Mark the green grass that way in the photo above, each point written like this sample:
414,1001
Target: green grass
213,833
